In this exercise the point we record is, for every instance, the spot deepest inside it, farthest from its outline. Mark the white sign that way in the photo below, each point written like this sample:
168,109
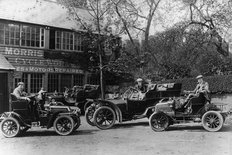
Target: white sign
49,70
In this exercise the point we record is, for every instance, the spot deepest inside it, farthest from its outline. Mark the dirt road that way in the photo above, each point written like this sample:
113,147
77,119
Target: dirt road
135,137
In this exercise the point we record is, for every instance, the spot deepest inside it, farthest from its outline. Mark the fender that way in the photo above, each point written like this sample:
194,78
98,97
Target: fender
14,115
88,103
114,107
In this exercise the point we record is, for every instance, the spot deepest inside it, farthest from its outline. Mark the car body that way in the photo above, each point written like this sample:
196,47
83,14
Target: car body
80,96
197,109
130,106
25,115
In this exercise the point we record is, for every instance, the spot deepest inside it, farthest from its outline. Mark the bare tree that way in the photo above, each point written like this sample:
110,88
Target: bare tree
92,16
213,16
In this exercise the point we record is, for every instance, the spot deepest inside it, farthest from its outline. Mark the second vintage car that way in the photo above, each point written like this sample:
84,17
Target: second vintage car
104,113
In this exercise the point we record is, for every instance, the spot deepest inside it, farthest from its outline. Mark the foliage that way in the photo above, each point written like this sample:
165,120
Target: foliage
184,51
217,84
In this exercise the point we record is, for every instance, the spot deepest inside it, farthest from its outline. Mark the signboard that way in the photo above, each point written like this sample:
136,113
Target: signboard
32,60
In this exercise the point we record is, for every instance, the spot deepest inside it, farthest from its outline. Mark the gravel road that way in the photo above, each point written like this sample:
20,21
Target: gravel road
134,137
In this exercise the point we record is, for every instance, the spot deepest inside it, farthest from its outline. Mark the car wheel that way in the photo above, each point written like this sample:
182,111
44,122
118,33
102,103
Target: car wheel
104,117
77,123
89,115
10,127
63,125
212,121
158,122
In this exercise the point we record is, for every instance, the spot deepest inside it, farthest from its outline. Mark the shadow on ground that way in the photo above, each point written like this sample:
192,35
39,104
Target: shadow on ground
43,133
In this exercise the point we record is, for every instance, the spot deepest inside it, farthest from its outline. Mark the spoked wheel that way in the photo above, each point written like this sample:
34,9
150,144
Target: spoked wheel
89,115
158,122
10,127
63,125
212,121
104,117
77,123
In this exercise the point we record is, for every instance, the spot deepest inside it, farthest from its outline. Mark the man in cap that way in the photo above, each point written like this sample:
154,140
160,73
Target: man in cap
18,92
140,85
202,87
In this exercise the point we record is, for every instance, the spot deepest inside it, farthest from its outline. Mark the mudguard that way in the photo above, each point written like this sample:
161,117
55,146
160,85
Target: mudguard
113,106
14,115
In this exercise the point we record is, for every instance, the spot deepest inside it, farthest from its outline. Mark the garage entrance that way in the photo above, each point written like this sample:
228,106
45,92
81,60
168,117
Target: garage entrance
4,101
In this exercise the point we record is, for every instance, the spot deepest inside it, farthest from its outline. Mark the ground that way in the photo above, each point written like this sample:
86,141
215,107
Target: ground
134,137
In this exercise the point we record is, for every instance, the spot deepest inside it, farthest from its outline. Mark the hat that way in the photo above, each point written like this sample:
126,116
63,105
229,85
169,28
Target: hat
139,80
199,76
20,83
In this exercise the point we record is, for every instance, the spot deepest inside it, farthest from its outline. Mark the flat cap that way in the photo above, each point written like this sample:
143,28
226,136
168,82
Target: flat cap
139,80
199,76
20,83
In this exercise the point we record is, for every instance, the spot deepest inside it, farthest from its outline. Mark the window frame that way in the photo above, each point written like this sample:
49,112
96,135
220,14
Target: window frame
18,41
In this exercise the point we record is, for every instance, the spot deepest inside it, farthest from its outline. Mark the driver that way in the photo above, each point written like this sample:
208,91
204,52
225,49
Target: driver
140,85
19,93
202,87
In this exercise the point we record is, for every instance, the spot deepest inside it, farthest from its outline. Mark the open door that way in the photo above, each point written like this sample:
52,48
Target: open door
4,101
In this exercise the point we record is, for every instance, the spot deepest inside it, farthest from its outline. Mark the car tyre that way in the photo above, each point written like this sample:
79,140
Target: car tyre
10,127
212,121
89,115
159,122
104,117
63,125
77,123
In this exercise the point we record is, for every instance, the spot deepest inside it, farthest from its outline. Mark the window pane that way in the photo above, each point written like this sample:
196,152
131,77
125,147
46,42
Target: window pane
53,82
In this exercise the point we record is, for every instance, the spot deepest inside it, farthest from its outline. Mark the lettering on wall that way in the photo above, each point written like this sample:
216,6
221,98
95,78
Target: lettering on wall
49,70
22,52
32,60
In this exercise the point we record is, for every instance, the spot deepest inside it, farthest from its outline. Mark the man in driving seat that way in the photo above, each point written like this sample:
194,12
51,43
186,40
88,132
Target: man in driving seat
202,87
19,93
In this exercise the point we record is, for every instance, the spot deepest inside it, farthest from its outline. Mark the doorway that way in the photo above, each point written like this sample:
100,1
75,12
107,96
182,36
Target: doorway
4,96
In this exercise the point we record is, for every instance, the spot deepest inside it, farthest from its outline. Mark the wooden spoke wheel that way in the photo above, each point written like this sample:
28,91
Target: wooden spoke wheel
212,121
63,125
104,117
159,122
89,115
10,127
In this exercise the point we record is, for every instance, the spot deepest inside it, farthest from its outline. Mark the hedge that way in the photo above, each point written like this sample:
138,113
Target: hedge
217,84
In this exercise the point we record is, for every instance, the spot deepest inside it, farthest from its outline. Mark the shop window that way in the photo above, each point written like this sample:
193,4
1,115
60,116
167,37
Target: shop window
78,80
68,41
9,34
36,82
78,42
64,40
32,36
66,81
53,82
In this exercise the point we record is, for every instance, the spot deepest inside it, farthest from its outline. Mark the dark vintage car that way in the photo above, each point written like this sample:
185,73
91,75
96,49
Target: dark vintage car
132,105
80,96
197,109
25,115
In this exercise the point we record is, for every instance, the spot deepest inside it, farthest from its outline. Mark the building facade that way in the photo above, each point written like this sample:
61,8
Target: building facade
24,44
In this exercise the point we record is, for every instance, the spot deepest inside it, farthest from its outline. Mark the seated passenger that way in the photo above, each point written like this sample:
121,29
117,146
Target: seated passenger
19,93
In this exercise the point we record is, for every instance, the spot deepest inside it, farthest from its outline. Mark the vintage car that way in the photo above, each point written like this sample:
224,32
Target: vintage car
132,105
25,115
179,110
80,96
